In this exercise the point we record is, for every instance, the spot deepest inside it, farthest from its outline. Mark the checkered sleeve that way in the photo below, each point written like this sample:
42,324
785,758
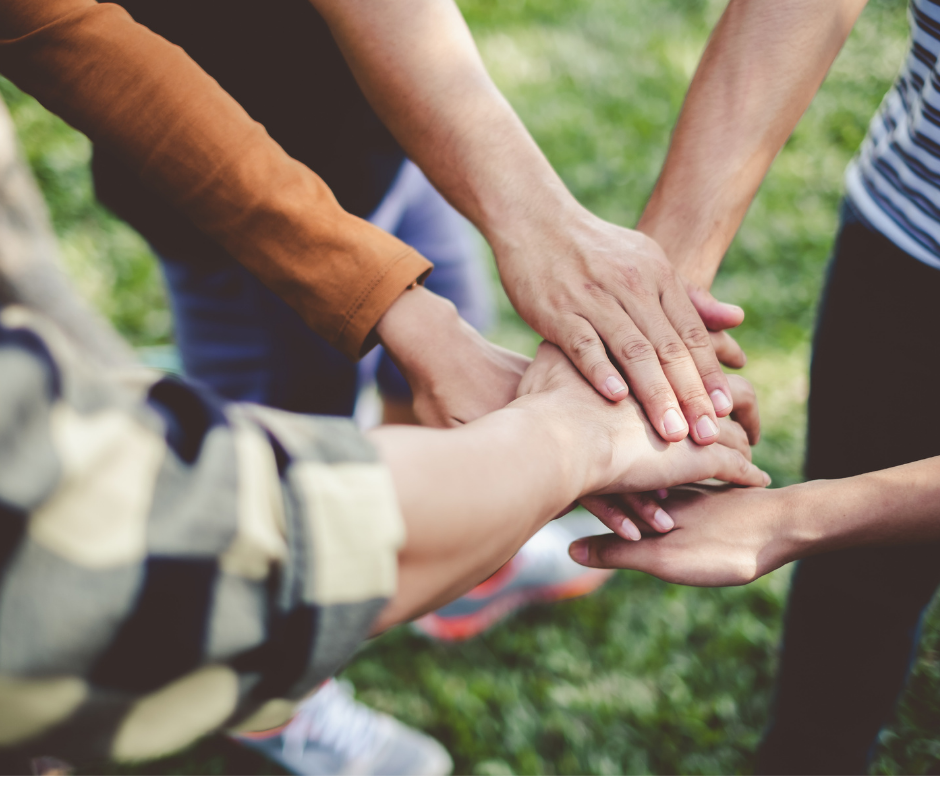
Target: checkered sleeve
171,564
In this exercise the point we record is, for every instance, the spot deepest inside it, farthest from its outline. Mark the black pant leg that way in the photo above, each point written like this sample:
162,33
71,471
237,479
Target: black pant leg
852,621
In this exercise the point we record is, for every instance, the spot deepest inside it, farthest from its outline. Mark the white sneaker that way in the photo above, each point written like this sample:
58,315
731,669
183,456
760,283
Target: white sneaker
333,734
542,571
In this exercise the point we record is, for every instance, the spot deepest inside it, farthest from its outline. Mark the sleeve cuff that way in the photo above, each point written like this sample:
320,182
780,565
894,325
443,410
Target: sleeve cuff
357,334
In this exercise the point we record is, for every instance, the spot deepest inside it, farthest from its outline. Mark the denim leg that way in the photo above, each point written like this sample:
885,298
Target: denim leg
853,617
242,341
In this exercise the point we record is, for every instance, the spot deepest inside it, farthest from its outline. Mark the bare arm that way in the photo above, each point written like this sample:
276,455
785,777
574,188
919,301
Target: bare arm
761,69
580,282
733,536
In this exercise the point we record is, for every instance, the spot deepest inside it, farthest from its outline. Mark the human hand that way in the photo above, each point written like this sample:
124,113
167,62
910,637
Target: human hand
718,317
622,451
723,536
628,513
455,374
584,283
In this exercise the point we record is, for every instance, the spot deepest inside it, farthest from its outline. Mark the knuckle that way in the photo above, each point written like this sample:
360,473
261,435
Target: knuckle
596,291
582,345
714,379
636,349
560,302
672,351
696,401
664,270
660,394
696,336
631,277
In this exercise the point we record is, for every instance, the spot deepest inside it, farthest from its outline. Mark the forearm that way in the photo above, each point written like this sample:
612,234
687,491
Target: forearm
420,69
894,506
762,66
471,497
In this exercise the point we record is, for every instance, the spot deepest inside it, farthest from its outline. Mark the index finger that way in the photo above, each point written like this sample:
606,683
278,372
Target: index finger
580,342
692,332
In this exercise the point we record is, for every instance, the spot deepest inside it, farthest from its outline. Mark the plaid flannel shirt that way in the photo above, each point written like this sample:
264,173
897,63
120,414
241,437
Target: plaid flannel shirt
171,564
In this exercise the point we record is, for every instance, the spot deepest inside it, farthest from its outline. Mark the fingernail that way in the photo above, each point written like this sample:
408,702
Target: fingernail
615,386
663,520
578,551
767,479
735,307
720,400
630,530
673,421
706,427
662,494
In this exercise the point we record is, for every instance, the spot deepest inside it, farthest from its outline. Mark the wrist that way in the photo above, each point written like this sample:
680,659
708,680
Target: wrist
550,221
840,513
695,256
806,528
414,319
584,458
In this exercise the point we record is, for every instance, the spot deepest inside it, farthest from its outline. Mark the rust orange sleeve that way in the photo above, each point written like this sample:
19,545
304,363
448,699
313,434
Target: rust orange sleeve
144,99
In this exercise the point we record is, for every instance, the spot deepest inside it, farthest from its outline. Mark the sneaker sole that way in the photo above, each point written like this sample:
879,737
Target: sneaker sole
465,627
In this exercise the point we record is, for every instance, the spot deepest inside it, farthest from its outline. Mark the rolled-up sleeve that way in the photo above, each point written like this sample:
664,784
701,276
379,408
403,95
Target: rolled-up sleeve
171,564
146,101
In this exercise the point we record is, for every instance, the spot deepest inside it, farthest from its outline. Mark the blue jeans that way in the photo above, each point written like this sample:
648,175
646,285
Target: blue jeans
853,617
237,337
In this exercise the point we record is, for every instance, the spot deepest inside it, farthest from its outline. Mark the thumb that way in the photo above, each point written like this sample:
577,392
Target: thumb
611,552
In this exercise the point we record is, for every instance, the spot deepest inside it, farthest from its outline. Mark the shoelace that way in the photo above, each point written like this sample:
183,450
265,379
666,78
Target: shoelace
334,719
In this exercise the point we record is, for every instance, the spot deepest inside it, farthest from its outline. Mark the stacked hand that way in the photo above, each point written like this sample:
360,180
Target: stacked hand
593,288
595,285
623,453
722,537
630,514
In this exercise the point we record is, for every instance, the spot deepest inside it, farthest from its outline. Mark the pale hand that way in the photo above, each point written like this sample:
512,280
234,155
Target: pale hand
627,454
588,286
631,514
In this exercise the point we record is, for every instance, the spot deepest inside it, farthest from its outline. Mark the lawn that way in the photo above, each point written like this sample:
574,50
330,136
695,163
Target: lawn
642,677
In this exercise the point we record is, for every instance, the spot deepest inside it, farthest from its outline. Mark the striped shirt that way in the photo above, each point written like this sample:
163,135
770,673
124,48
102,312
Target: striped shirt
894,181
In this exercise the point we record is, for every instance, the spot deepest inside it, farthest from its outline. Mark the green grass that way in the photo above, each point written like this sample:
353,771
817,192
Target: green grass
642,677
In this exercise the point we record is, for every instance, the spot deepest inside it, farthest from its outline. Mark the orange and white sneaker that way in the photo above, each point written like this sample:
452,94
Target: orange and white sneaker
542,571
